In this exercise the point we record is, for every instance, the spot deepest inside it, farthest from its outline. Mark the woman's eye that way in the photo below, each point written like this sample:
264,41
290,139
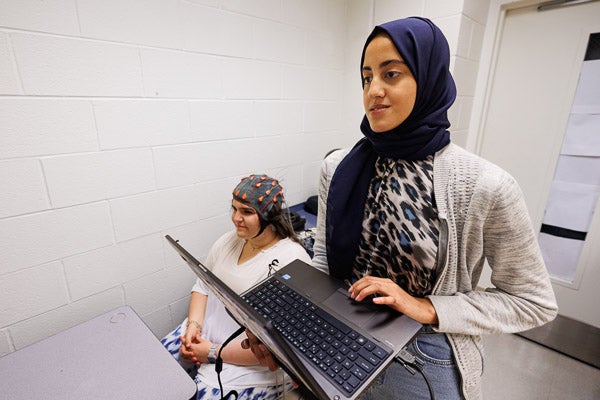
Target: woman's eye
367,79
392,74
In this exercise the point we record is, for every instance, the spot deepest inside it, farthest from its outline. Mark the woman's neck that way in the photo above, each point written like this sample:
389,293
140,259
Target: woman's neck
254,246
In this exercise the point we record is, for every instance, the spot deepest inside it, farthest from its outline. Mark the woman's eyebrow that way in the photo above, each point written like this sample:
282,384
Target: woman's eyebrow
385,64
388,62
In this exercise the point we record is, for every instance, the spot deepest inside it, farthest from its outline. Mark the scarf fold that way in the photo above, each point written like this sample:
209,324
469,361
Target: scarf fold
425,50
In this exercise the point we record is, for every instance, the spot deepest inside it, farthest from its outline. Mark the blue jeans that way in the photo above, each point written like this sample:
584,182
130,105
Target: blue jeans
434,350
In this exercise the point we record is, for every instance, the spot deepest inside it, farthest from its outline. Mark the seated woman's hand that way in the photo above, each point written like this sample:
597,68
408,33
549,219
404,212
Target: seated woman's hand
260,351
186,353
191,336
197,351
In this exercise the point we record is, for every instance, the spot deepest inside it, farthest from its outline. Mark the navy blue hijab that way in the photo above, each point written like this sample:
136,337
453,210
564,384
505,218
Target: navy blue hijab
425,50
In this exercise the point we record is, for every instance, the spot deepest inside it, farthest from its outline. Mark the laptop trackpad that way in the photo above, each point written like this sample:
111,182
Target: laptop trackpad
367,315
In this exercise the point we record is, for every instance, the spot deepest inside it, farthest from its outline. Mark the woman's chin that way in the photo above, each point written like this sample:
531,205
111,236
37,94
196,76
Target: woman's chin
241,232
244,233
379,128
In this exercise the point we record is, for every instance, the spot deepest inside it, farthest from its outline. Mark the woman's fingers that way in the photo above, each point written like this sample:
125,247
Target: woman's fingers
369,286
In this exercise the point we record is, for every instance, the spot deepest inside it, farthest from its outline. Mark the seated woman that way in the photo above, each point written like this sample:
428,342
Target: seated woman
263,240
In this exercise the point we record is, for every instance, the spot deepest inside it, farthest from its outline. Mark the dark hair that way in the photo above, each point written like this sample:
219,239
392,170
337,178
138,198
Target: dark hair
279,219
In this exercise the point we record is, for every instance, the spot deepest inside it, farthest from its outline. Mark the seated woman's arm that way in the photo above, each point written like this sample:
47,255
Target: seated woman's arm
193,332
262,354
233,353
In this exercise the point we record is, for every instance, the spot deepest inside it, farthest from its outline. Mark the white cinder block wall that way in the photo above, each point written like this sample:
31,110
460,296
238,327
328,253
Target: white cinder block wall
125,120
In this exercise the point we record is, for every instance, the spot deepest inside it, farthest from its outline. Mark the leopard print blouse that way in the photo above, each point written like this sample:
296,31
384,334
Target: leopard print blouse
400,226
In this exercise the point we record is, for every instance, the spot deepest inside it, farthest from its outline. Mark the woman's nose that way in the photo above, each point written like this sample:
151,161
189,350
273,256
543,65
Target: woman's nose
376,88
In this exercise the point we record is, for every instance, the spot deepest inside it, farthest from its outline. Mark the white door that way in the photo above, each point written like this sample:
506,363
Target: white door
536,70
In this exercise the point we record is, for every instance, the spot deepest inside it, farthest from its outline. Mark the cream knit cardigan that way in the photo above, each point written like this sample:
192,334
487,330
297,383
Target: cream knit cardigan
486,218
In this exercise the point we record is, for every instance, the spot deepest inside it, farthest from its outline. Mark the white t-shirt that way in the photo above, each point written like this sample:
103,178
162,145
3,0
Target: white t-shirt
218,325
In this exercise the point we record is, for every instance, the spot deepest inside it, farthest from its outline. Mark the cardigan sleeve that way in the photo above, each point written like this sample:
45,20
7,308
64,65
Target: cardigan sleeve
522,296
328,167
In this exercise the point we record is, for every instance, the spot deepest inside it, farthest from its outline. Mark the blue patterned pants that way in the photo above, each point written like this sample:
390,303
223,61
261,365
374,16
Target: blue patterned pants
205,392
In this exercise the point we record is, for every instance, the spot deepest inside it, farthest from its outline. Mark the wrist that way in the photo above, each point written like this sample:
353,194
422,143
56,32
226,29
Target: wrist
426,311
213,351
195,323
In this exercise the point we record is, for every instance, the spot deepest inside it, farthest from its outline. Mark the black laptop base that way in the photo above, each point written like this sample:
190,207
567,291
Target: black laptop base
345,356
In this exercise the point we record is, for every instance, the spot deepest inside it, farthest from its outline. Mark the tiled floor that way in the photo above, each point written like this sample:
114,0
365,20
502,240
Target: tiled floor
519,369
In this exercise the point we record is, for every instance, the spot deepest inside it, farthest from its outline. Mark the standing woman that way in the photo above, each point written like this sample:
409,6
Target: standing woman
263,240
411,218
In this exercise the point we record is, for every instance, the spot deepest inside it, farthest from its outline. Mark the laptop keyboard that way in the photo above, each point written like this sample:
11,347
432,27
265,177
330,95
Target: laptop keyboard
346,357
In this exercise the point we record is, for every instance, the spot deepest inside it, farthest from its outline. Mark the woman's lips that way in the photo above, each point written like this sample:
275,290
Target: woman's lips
378,109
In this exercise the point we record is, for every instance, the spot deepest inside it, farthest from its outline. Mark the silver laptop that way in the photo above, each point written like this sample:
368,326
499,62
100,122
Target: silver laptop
333,346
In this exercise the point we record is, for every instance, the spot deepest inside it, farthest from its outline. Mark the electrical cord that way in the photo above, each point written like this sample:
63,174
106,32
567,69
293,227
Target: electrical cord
413,365
219,368
219,364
